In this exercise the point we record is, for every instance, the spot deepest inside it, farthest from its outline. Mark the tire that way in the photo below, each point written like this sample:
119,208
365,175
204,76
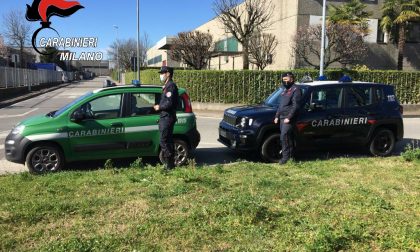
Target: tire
271,149
182,153
45,158
382,143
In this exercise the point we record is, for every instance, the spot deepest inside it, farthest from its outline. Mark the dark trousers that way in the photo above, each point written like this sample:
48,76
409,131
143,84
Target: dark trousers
166,129
286,138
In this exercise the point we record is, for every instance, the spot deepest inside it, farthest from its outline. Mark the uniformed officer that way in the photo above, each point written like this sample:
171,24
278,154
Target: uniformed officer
286,114
167,108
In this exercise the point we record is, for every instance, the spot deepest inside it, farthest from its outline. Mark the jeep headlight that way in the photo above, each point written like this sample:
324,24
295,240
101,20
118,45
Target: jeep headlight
18,129
245,121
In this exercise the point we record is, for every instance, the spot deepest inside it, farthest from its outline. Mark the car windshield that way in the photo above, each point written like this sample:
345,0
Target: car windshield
63,109
273,100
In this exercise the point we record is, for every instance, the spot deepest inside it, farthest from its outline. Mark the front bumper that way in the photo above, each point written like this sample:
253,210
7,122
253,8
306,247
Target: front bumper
237,139
14,148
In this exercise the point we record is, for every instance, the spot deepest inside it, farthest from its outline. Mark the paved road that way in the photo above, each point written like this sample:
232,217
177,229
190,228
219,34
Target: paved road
209,151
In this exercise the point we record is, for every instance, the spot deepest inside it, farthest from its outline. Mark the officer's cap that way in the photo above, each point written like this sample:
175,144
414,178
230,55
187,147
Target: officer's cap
166,69
288,74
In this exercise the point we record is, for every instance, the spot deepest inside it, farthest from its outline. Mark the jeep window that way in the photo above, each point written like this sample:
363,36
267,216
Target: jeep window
142,104
63,109
359,96
106,107
324,98
274,99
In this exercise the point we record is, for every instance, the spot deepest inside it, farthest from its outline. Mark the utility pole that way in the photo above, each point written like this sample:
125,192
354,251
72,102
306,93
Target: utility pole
138,40
118,54
324,13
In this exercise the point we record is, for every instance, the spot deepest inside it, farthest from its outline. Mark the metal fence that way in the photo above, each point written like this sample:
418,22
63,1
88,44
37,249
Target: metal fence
20,77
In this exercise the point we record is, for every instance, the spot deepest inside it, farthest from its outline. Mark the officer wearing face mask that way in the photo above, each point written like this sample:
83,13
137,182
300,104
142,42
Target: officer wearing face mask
167,108
286,115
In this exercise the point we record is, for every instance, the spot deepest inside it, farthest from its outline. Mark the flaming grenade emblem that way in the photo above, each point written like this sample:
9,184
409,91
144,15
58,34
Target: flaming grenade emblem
43,10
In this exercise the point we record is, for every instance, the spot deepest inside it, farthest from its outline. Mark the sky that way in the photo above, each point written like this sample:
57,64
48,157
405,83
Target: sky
158,18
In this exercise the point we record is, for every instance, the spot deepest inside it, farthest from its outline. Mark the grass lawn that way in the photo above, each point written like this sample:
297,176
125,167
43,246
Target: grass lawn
340,204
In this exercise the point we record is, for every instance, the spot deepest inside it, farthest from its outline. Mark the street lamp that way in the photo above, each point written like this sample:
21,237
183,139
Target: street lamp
118,54
321,64
138,40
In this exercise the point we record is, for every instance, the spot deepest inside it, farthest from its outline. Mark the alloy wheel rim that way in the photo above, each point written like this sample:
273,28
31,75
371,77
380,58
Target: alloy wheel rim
180,154
383,143
45,160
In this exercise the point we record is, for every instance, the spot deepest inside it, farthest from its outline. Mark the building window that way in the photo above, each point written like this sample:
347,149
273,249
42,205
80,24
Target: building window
227,45
155,60
413,34
381,34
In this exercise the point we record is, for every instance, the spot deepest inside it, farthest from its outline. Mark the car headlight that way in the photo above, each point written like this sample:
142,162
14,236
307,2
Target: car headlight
245,121
18,130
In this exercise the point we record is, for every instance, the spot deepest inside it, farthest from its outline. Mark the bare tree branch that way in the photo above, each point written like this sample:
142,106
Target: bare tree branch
194,48
17,31
262,49
345,45
243,20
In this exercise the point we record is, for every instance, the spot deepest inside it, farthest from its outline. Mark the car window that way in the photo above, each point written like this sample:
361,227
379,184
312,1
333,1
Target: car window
106,107
324,98
63,109
181,103
142,103
360,96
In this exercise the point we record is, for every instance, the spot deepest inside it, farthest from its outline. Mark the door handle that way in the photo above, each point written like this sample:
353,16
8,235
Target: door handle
116,124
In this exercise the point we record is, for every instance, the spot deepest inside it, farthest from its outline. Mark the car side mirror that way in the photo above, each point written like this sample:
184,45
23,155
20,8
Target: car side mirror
77,116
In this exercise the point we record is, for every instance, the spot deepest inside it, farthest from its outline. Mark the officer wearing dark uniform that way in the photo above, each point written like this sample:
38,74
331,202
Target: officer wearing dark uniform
167,108
286,114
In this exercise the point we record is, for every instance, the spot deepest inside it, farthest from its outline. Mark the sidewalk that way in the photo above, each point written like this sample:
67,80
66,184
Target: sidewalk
10,101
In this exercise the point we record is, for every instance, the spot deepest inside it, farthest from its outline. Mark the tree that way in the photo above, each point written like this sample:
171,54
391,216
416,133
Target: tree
242,21
124,50
194,48
352,13
395,15
262,49
345,45
3,48
17,31
127,49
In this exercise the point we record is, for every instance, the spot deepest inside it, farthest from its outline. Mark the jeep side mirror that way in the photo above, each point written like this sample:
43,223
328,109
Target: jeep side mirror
77,116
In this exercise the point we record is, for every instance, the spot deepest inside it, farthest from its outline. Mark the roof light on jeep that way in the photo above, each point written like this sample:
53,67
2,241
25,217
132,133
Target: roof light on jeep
345,78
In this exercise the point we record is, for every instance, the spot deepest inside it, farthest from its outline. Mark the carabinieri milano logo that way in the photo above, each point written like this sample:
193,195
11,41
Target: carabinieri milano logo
43,10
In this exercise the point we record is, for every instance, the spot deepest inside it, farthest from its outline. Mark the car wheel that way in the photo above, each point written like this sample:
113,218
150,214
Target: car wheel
182,153
271,149
382,143
45,158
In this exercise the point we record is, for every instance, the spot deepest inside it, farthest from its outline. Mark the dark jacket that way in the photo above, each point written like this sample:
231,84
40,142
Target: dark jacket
289,103
169,100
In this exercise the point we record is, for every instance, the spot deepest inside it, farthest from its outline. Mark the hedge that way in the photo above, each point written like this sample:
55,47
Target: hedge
250,87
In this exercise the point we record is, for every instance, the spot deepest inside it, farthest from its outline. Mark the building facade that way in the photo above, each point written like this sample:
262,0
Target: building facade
288,16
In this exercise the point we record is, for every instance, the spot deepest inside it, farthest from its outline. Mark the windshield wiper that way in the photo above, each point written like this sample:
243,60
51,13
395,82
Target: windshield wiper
51,114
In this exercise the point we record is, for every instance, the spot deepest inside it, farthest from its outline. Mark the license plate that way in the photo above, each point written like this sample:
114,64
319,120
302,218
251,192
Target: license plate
223,133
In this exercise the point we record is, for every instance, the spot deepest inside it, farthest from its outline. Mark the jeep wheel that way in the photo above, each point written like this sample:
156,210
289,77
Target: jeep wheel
44,158
182,153
382,143
271,149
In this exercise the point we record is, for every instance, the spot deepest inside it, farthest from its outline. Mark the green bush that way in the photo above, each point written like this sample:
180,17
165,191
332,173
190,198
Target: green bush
411,153
249,87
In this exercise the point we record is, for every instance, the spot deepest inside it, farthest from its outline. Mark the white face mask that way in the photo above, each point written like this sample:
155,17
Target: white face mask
162,78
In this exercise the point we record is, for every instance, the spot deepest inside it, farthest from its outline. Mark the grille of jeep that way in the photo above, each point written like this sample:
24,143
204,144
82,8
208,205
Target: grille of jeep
230,119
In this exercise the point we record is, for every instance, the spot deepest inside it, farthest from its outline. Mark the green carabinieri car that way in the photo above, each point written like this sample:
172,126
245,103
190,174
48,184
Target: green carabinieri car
108,123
